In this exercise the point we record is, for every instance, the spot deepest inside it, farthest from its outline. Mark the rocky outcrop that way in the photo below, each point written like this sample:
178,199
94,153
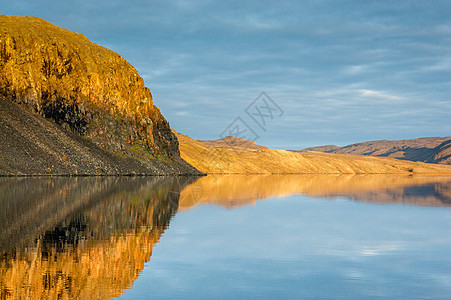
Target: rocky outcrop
33,145
84,88
435,150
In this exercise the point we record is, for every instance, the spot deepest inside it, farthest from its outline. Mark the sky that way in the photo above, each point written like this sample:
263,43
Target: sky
289,74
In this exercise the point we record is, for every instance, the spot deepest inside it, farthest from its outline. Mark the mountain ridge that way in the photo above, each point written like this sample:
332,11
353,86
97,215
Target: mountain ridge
427,149
231,141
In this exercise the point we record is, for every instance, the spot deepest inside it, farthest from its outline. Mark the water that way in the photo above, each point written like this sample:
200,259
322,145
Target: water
286,236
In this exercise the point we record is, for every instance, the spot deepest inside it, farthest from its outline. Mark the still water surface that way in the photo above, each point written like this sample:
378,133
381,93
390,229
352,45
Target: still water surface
275,236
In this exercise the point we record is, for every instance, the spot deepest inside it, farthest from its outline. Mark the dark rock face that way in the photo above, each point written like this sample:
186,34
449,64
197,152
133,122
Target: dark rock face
84,88
33,145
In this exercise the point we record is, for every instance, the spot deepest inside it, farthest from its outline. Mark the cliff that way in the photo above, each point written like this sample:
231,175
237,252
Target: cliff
239,160
430,149
88,91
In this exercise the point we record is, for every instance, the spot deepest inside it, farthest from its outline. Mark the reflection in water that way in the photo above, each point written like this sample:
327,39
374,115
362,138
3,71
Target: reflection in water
236,190
84,238
89,237
306,247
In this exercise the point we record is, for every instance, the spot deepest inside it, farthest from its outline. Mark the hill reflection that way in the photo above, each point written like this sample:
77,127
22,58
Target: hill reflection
89,237
236,190
83,238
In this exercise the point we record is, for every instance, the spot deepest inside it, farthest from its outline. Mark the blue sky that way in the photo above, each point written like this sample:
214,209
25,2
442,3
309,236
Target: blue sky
341,71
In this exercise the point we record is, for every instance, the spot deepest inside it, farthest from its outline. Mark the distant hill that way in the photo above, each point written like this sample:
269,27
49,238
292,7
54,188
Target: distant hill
220,159
435,150
325,148
231,141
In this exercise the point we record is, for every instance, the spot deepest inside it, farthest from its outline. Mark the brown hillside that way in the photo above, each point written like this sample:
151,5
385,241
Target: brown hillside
233,160
430,149
231,141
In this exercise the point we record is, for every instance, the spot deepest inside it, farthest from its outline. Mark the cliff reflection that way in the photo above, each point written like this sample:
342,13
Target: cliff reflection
89,237
83,238
236,190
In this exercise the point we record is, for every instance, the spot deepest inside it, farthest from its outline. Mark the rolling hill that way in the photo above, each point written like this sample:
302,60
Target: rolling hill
435,150
220,158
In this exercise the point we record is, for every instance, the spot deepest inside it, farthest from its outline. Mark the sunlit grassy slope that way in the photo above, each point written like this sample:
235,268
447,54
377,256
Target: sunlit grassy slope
240,160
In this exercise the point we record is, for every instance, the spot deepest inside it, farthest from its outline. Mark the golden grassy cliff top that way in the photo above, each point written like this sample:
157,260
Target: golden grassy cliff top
81,86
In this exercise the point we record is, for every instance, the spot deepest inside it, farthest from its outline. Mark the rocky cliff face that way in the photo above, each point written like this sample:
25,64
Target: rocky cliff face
83,87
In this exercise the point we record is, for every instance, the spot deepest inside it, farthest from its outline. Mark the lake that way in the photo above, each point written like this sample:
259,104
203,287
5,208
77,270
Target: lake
230,236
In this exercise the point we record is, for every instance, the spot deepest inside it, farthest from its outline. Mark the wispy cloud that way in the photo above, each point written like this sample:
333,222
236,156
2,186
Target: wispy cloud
181,113
443,64
378,95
